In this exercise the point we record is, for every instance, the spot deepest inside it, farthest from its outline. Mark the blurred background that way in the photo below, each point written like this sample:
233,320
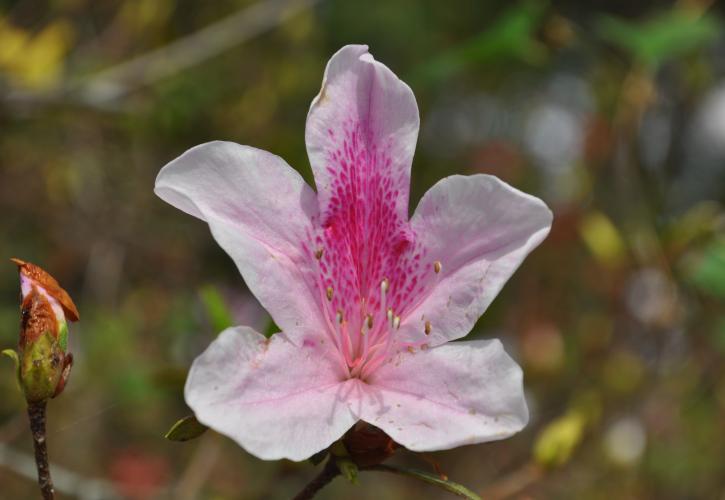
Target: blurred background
612,112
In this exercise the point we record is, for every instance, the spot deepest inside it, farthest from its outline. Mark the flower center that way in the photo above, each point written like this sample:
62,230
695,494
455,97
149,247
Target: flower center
365,329
371,271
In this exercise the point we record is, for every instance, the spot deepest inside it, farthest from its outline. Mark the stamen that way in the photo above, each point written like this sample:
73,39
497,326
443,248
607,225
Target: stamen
384,287
342,333
329,293
427,327
390,316
396,322
437,266
366,328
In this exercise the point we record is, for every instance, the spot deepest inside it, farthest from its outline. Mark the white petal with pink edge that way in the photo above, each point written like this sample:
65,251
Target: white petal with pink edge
275,399
447,396
479,230
260,211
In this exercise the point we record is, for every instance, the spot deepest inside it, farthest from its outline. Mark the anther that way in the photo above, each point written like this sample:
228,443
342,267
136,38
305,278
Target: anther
396,322
338,316
318,253
384,286
437,266
427,327
329,293
367,324
390,316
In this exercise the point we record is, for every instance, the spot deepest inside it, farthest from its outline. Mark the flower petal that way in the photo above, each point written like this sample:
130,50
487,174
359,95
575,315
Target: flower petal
447,396
363,123
275,399
361,133
260,211
479,229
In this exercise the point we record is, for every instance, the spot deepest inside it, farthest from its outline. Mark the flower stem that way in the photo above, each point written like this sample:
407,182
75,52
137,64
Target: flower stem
36,414
325,476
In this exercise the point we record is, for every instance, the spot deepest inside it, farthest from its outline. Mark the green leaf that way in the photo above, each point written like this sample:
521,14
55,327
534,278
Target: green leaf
216,308
707,271
511,36
449,486
186,429
663,37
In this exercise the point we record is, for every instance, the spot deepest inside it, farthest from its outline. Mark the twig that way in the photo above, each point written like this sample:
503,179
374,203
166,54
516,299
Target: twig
36,414
328,473
67,482
109,85
198,469
513,483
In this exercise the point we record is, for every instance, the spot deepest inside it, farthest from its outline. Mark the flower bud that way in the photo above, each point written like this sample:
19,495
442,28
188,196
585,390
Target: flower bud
368,445
44,363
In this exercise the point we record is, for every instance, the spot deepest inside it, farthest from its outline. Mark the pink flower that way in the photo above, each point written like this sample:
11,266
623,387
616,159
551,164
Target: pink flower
367,300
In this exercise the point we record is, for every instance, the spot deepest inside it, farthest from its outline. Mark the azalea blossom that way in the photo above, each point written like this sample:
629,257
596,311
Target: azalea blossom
367,299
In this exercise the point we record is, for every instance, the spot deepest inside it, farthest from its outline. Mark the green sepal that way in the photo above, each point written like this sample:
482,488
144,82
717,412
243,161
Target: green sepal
63,336
186,429
10,353
41,367
348,469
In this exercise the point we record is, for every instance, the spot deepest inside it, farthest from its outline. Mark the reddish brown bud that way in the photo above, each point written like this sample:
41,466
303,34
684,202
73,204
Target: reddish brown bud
51,286
44,363
368,445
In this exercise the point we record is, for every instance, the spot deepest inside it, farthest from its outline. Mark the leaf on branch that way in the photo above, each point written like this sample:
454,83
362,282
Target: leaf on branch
449,486
186,429
216,308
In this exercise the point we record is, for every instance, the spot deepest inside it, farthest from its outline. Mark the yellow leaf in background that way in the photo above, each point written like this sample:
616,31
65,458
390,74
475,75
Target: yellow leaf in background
557,441
35,62
12,40
602,238
43,59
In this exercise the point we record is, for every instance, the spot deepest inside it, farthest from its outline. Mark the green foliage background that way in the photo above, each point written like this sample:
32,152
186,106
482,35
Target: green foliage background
607,110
